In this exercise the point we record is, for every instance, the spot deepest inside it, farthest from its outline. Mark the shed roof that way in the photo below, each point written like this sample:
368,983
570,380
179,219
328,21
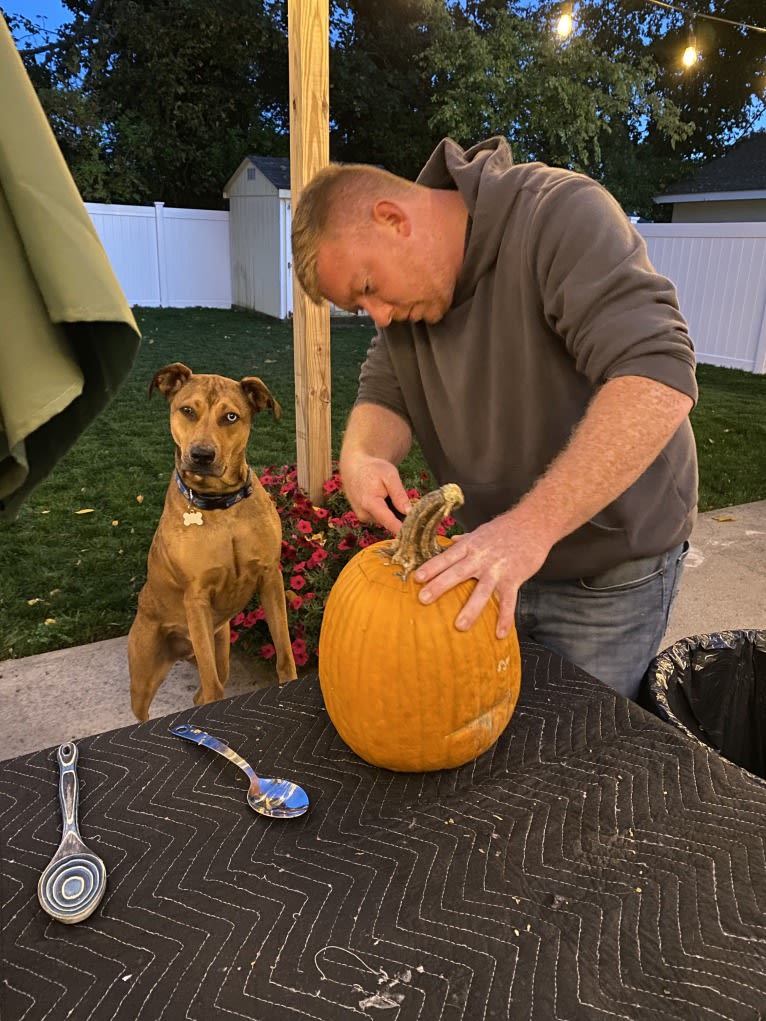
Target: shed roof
275,168
741,169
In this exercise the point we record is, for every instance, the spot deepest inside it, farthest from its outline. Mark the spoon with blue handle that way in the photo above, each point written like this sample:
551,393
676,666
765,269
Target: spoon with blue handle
278,799
73,883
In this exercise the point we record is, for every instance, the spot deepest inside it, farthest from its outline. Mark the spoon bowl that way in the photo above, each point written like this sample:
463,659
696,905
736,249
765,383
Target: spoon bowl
73,883
275,798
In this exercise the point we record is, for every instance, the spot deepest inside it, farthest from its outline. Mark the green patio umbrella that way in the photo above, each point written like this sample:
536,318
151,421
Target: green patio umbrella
67,336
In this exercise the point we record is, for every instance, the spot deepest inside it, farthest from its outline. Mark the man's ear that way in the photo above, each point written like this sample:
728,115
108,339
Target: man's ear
391,214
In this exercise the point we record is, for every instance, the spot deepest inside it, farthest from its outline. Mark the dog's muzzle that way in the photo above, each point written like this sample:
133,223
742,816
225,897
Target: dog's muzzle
200,459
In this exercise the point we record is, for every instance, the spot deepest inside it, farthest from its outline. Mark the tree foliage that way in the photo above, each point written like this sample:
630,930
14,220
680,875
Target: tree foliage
177,92
162,99
380,89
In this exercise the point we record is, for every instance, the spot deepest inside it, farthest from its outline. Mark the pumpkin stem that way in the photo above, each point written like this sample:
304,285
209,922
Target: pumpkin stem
417,542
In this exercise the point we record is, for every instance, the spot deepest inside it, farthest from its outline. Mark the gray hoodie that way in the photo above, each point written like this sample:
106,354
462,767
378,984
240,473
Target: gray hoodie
556,296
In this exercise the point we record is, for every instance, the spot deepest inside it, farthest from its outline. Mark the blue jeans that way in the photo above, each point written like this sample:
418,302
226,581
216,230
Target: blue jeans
611,625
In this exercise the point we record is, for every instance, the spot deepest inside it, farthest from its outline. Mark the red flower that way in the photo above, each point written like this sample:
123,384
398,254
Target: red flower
317,542
300,653
446,525
254,616
317,557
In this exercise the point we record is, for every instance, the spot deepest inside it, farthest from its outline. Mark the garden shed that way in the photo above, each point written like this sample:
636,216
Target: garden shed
259,235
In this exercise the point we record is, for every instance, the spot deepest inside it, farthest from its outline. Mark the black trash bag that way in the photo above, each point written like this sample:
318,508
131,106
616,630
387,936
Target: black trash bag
713,687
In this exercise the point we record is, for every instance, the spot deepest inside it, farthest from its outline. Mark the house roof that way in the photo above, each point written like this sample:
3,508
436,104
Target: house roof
741,170
275,168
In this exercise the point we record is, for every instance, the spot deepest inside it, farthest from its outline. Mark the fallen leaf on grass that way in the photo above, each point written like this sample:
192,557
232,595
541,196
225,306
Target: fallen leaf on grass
139,499
49,620
85,510
34,602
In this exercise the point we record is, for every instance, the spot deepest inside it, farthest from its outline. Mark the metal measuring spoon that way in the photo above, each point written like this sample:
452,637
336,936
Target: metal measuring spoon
74,880
278,799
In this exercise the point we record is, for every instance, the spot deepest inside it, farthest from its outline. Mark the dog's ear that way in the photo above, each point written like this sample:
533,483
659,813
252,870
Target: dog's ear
259,396
170,379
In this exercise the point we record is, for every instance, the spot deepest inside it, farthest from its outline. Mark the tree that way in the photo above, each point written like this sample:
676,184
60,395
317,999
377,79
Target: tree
502,70
161,99
718,100
380,88
174,94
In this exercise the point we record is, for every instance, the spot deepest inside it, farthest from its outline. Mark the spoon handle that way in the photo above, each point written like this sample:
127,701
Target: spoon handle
69,790
198,736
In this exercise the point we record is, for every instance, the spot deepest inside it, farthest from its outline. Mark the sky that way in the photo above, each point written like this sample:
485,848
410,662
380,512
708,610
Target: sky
50,12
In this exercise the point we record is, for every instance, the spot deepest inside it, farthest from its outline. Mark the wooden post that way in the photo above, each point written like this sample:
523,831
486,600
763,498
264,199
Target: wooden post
308,40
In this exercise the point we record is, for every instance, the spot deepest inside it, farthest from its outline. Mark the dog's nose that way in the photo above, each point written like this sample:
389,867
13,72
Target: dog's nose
201,455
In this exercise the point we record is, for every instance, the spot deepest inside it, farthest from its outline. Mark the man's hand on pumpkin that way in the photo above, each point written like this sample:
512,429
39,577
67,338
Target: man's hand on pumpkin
499,556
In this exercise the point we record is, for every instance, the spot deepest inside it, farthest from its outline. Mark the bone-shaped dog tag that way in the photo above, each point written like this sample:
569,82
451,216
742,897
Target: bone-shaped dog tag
192,518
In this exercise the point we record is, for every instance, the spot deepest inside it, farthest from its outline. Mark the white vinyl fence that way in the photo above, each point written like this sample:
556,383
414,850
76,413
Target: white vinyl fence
170,257
181,257
719,270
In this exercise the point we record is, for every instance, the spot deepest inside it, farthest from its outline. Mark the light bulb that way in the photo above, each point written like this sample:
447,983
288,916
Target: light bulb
690,57
564,26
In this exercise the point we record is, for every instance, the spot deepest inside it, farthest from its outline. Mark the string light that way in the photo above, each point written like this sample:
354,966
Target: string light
564,26
710,17
690,55
565,23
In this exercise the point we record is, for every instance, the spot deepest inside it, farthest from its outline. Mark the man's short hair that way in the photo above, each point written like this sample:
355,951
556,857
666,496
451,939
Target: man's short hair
337,200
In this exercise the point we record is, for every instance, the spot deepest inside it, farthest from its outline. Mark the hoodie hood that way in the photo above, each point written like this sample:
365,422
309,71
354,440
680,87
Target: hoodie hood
478,174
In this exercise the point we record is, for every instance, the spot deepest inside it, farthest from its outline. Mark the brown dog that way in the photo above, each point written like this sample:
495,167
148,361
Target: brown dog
219,540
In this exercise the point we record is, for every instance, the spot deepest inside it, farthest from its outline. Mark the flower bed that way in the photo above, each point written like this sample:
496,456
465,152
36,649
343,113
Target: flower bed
317,542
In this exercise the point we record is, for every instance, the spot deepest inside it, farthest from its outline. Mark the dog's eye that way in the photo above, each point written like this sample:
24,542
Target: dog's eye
187,411
231,417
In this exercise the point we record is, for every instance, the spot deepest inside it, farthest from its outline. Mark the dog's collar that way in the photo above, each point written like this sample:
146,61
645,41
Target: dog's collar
222,502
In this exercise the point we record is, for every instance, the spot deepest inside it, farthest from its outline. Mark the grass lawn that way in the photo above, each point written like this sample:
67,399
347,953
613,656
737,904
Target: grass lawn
70,577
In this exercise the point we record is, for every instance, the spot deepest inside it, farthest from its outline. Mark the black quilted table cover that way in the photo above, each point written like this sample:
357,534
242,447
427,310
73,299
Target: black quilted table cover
595,864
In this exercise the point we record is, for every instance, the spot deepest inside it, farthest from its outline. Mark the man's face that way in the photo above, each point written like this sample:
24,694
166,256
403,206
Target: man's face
387,274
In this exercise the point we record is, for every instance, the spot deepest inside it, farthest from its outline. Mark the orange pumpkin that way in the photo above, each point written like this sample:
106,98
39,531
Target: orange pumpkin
404,688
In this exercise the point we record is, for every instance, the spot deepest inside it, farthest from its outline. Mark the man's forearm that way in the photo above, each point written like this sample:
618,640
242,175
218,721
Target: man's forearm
628,423
374,431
